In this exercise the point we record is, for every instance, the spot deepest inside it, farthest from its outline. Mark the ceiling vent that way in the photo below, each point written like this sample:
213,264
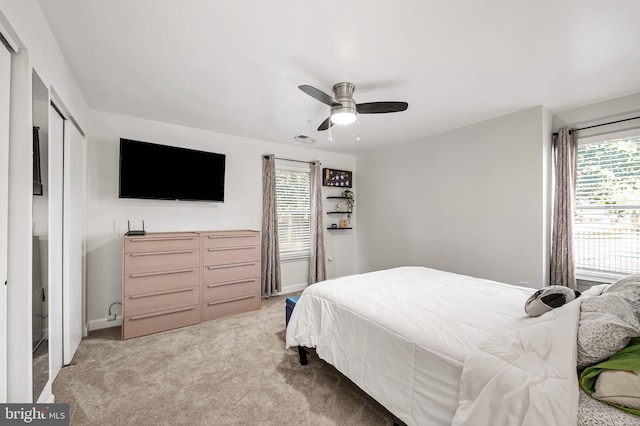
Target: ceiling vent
305,139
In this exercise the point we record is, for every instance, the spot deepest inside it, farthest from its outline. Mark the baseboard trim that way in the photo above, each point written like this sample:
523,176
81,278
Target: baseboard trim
99,324
293,288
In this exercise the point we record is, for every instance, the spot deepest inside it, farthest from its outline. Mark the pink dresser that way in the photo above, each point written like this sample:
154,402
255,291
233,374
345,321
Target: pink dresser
175,279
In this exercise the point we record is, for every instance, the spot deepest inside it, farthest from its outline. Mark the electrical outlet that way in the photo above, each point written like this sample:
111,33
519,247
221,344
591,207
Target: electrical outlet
111,317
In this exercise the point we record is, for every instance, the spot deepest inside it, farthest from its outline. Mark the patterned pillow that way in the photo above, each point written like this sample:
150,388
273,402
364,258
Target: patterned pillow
630,286
607,323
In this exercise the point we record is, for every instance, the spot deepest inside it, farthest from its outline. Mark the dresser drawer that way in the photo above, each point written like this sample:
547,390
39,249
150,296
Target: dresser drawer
148,282
164,243
230,239
160,261
230,290
139,325
225,273
223,256
229,307
143,303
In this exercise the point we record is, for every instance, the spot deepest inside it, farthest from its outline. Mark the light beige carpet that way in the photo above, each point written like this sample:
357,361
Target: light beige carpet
234,371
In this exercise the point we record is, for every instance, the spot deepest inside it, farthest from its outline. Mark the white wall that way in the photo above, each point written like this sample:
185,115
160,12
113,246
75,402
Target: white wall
601,112
107,215
471,201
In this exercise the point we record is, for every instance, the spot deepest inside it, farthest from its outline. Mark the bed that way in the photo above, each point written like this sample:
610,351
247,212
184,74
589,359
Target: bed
437,348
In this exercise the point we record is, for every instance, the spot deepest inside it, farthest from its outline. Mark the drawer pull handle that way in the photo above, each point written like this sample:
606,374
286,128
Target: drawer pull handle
157,314
141,240
233,299
233,265
153,274
219,237
230,283
160,293
158,253
233,248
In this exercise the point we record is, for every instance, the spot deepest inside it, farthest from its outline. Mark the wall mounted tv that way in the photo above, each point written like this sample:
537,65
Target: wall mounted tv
161,172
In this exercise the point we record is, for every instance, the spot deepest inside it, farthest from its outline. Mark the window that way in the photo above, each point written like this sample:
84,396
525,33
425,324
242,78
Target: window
607,215
293,196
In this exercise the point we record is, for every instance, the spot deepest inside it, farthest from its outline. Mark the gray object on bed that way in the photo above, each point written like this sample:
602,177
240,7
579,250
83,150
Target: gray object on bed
595,413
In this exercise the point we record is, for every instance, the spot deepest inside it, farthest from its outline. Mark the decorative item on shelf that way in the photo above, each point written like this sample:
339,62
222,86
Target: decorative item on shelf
344,223
334,225
349,202
340,178
338,207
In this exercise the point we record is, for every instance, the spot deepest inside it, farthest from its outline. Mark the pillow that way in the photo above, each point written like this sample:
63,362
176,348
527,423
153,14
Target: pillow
619,387
607,323
549,298
630,287
628,283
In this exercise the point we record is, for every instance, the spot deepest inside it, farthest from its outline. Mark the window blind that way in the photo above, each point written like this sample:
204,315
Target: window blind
293,196
607,214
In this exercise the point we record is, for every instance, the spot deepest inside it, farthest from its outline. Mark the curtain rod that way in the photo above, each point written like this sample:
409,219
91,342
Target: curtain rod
288,159
598,125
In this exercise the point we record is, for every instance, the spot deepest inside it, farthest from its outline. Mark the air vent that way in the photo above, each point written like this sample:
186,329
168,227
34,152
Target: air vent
305,139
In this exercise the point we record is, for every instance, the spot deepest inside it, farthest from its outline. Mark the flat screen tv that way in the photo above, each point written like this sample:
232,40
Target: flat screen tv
161,172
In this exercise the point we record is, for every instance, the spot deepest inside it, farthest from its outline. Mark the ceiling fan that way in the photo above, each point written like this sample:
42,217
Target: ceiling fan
344,108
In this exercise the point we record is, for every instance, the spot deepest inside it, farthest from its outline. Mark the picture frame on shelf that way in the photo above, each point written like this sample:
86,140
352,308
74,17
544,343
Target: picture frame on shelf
337,178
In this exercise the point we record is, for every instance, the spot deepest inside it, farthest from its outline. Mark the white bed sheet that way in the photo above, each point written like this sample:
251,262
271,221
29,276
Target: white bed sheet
403,334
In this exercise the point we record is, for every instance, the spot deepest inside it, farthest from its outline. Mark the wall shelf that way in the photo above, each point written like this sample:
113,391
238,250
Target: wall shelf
338,212
336,198
338,228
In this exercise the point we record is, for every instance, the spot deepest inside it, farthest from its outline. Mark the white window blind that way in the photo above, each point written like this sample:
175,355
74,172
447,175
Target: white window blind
293,196
607,215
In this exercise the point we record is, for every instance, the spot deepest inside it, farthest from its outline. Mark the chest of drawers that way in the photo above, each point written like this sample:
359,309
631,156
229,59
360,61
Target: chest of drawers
175,279
230,273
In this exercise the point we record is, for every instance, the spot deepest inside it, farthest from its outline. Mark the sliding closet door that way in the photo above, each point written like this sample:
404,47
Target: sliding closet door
72,288
5,83
56,182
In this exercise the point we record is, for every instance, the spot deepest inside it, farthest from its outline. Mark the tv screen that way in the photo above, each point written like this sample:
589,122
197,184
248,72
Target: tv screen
162,172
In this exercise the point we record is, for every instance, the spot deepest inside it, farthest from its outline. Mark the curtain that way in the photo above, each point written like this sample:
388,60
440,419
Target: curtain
566,158
317,269
271,282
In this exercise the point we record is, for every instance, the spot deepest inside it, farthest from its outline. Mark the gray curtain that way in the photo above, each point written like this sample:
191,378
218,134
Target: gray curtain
271,282
566,158
317,268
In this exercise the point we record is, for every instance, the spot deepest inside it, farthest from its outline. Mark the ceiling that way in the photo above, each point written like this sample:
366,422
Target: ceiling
234,66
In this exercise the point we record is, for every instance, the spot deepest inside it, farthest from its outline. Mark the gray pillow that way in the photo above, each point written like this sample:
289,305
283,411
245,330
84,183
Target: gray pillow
607,323
630,286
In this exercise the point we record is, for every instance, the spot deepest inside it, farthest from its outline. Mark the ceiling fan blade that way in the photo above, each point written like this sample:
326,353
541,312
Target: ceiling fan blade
381,107
325,124
319,95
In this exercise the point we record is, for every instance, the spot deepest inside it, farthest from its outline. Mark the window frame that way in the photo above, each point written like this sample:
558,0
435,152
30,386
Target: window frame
590,274
282,165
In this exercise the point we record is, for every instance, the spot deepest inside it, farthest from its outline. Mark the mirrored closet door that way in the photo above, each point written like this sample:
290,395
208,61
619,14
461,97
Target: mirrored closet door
40,238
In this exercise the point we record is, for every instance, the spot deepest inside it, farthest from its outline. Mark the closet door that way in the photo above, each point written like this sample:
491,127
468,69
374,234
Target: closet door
74,198
56,185
5,82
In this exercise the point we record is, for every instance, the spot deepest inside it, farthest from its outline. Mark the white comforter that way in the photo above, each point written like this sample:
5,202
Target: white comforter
441,348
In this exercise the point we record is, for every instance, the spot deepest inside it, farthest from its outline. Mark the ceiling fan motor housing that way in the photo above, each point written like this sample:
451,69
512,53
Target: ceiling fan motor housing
344,94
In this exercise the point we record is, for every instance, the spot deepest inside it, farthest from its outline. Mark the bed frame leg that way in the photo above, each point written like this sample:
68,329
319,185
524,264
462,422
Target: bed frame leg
302,353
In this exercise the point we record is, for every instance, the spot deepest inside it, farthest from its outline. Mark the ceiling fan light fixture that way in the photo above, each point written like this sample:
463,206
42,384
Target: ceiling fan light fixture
343,117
